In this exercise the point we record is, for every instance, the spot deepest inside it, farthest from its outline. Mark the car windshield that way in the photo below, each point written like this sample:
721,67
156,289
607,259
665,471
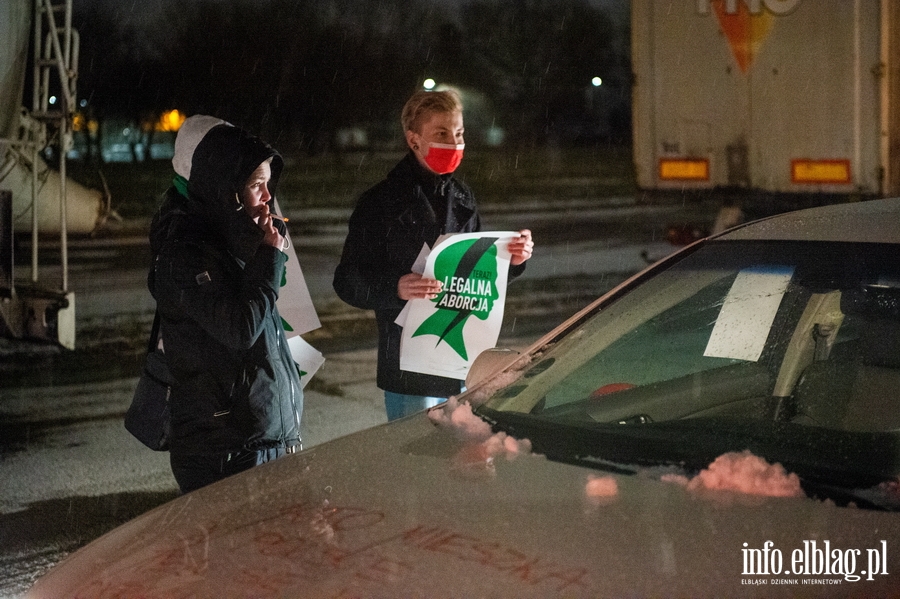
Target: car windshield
788,349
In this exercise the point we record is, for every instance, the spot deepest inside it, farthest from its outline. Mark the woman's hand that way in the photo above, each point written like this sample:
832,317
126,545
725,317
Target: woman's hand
271,236
520,248
415,286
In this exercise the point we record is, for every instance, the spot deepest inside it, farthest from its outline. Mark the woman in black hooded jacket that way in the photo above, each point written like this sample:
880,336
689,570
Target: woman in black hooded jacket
218,267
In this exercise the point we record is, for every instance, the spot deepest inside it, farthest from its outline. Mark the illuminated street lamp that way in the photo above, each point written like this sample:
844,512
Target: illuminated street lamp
429,84
596,81
170,121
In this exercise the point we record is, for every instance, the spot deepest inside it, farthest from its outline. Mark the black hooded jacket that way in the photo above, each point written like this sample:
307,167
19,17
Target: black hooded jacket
216,284
392,220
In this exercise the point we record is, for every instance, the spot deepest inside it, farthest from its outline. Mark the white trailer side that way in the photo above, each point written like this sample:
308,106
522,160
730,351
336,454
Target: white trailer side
788,96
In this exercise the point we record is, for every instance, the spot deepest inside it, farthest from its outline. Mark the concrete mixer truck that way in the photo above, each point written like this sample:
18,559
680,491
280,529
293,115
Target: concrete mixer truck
35,198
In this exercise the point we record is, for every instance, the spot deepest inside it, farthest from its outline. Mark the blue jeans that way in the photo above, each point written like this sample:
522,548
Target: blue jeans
399,405
195,471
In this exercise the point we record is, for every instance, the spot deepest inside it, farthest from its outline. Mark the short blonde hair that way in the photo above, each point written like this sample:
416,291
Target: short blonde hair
423,103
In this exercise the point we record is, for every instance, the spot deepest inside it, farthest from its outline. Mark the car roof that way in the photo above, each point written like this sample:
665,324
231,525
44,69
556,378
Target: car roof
870,221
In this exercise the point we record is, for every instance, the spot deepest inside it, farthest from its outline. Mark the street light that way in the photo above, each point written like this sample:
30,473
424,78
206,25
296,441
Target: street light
429,84
596,81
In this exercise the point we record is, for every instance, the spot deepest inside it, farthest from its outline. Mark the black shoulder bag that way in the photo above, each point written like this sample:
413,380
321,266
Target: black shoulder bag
148,417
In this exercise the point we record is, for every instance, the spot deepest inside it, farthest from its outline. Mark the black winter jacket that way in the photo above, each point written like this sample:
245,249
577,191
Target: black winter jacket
216,284
387,229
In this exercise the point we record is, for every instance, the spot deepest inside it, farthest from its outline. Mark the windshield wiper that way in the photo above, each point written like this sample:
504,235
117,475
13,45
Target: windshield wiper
824,459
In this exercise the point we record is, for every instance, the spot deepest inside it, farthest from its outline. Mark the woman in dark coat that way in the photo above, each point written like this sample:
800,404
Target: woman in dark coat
419,201
237,400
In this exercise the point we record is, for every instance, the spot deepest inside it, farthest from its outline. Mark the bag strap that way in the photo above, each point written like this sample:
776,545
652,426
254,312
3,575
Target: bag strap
154,334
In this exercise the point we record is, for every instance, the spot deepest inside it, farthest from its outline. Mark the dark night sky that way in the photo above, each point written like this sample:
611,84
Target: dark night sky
150,15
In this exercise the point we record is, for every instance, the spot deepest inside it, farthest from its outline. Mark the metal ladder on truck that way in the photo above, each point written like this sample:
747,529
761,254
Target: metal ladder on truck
36,311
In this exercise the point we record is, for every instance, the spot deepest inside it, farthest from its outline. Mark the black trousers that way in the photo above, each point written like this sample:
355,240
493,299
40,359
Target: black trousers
195,471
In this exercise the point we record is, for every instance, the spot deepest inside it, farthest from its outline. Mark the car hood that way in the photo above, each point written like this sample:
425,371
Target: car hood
411,509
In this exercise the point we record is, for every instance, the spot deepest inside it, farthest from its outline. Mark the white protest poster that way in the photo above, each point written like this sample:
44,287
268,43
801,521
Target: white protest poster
308,358
444,335
294,302
298,315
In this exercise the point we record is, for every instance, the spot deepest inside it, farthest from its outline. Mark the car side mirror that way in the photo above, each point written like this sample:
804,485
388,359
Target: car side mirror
489,362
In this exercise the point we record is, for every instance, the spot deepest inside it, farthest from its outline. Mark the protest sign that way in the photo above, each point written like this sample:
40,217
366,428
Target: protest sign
444,335
298,314
308,358
294,302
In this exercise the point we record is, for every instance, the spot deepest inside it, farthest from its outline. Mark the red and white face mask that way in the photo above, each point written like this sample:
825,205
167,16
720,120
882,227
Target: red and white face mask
444,158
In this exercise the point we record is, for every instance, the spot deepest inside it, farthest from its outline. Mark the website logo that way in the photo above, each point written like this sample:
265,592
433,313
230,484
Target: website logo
815,563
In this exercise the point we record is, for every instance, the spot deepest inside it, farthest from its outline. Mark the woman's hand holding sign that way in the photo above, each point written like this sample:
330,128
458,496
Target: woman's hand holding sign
520,248
415,286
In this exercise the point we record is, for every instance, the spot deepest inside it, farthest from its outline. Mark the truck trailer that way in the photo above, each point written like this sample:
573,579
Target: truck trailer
772,96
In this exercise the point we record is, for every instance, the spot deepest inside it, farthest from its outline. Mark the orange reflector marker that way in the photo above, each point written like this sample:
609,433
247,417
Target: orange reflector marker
820,171
684,169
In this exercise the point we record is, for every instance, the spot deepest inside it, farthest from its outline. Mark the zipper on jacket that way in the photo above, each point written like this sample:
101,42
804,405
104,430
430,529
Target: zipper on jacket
296,417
